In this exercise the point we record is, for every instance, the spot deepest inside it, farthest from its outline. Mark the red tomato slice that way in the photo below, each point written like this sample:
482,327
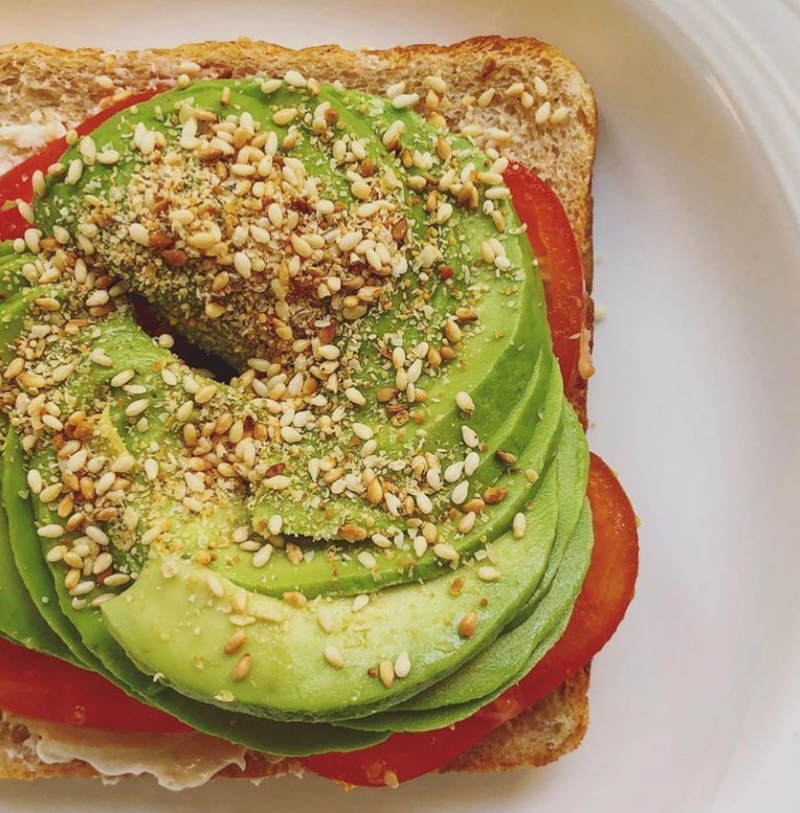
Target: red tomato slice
607,591
554,246
16,184
45,688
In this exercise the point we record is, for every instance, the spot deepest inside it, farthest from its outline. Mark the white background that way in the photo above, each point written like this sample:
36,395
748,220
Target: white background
695,704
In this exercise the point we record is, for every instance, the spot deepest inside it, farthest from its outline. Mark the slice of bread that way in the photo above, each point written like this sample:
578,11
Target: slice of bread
44,90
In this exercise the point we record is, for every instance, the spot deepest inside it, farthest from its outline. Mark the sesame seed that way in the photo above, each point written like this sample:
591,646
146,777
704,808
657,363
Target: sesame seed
51,492
559,115
206,393
325,619
460,492
295,79
359,602
14,368
354,396
261,557
464,402
124,463
362,431
235,642
74,172
420,546
26,211
424,503
100,357
278,482
333,657
215,585
274,525
402,665
52,531
403,100
518,525
151,468
488,574
540,86
285,116
437,84
270,86
367,559
56,554
542,113
471,463
395,90
38,183
242,668
446,552
470,436
468,624
467,522
137,407
386,673
116,580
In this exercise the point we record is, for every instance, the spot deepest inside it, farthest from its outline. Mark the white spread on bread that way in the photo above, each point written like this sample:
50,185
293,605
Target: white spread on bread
177,761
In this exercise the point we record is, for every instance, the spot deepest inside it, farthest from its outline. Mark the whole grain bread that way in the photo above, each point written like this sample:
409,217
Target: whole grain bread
52,89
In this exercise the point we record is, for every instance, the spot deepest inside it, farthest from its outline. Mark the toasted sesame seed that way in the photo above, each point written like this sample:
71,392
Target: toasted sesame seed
386,673
468,624
420,546
14,368
278,482
116,580
242,668
100,357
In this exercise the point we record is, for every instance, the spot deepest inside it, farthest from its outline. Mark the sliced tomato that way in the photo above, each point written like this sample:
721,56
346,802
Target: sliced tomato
606,593
556,250
16,184
38,686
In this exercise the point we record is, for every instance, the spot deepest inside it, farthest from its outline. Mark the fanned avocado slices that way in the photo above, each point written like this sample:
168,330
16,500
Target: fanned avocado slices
379,522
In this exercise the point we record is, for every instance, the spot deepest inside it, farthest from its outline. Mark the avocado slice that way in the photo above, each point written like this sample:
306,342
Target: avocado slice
510,310
208,627
191,609
505,662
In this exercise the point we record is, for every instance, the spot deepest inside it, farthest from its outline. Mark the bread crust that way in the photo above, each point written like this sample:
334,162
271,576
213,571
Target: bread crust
62,83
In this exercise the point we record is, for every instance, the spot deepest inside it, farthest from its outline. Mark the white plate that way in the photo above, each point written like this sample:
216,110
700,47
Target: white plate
694,703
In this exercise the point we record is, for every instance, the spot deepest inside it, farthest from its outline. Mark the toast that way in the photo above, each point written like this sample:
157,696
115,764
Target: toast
44,90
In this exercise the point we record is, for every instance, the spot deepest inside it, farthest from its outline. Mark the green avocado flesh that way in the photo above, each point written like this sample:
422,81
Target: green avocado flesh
379,523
